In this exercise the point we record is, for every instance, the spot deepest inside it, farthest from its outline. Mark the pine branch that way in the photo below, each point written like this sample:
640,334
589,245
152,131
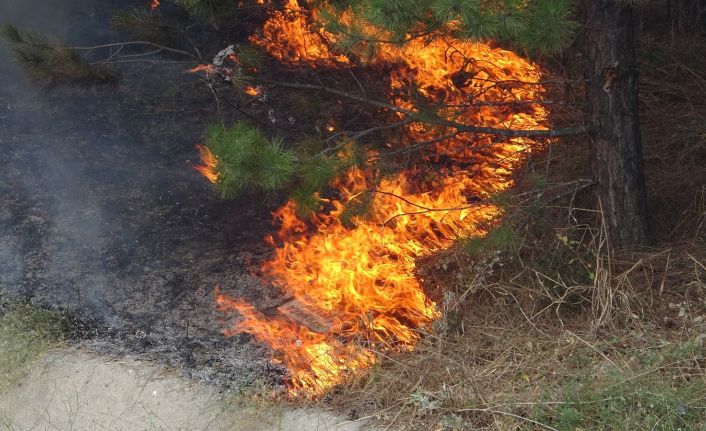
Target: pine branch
52,64
213,11
541,25
417,117
142,24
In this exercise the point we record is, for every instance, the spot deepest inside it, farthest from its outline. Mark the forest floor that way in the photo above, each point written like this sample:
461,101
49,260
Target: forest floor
103,217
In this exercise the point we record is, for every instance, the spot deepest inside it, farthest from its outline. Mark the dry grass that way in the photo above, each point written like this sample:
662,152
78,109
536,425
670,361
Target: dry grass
26,332
510,356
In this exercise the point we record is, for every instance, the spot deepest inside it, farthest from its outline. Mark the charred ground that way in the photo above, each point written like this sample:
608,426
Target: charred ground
103,218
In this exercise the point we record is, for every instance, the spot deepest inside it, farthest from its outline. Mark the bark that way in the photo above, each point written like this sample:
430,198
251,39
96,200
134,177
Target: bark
612,94
688,15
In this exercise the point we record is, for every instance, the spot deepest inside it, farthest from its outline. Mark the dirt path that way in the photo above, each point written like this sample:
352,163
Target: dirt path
75,390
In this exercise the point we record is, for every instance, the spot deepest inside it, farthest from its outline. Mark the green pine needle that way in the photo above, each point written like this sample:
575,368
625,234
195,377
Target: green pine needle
317,172
142,24
275,163
550,27
250,56
541,25
213,11
308,202
247,160
52,64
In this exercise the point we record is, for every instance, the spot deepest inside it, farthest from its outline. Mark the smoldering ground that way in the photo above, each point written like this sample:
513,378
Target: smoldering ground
101,215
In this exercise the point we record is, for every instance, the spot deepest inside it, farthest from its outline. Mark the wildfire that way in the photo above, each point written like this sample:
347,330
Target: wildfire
210,164
361,278
154,4
251,91
288,36
206,68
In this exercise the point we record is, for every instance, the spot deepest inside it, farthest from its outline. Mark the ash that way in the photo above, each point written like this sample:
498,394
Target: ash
102,217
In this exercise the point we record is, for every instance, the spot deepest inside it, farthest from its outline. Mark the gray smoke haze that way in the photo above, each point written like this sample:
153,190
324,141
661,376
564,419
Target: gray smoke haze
101,213
99,206
52,226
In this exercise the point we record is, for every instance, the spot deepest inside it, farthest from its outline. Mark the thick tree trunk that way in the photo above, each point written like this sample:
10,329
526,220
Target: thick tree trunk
688,15
612,94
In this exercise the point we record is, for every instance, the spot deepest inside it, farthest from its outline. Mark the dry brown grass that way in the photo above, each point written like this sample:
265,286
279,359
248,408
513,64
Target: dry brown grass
506,351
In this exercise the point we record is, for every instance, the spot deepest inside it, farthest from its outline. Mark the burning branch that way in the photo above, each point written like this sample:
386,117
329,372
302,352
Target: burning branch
460,127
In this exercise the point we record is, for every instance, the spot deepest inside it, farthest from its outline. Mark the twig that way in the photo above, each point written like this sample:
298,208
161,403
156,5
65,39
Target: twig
514,133
418,146
580,184
592,347
500,412
196,49
414,204
365,132
136,42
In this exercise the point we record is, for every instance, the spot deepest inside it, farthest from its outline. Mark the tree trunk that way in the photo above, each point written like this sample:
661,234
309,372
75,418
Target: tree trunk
688,15
612,95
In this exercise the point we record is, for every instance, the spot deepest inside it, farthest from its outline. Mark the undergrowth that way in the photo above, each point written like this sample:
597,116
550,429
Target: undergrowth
514,357
655,389
26,332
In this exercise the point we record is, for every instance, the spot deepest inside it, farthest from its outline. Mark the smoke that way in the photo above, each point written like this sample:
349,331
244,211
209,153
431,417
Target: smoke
53,225
101,213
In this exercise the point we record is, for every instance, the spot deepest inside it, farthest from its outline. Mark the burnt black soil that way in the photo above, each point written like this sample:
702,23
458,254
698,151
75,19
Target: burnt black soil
102,216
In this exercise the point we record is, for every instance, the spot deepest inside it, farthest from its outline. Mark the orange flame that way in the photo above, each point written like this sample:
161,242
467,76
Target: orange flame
154,4
251,91
209,165
207,68
288,37
363,277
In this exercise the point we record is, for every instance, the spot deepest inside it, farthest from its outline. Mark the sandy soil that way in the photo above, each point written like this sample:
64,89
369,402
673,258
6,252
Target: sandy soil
76,390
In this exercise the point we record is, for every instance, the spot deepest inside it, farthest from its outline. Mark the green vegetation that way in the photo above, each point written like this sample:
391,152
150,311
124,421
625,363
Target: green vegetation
247,160
25,333
542,25
664,389
52,64
213,11
142,25
498,372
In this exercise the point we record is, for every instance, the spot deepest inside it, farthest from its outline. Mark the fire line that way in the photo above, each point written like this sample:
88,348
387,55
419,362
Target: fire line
354,289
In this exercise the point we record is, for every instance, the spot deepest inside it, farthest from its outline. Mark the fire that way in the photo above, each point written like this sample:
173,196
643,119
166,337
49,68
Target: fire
154,4
362,277
210,164
206,68
289,38
251,91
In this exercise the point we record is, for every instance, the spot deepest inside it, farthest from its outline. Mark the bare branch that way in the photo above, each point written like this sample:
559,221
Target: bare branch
136,42
415,116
